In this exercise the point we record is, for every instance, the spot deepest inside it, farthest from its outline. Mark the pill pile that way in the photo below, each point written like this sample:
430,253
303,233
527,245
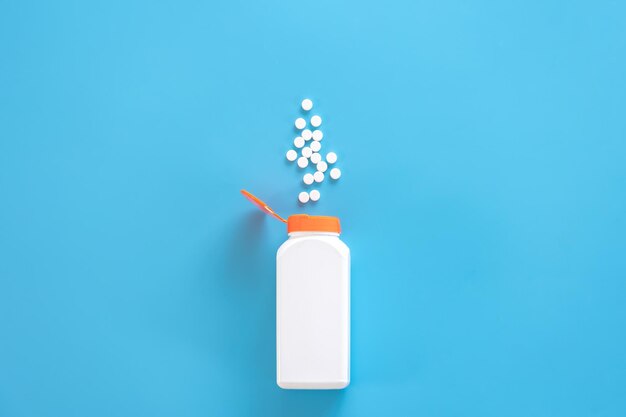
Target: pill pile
309,146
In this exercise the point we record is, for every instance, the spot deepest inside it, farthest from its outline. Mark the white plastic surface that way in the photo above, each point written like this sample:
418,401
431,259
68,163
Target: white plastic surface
313,312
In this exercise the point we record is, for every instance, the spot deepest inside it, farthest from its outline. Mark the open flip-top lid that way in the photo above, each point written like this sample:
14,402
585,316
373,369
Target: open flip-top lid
260,204
298,222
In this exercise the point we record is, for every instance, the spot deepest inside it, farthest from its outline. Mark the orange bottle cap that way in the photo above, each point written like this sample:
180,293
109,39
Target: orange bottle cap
306,223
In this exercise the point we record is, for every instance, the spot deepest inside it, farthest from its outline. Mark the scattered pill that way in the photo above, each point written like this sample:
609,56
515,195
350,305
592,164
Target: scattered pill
300,123
318,176
318,135
312,152
315,121
292,155
315,158
307,134
298,142
303,197
303,162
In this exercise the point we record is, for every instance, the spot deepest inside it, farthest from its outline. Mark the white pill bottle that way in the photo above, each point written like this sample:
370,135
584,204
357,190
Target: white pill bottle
312,303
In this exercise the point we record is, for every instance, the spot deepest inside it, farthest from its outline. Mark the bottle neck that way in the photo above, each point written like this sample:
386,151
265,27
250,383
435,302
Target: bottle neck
311,233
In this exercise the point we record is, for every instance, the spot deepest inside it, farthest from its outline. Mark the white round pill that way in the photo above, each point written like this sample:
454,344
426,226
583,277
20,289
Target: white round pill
307,104
331,157
300,123
303,197
318,176
292,155
306,134
308,179
322,166
335,173
315,121
316,146
307,152
298,142
303,162
315,195
318,135
315,158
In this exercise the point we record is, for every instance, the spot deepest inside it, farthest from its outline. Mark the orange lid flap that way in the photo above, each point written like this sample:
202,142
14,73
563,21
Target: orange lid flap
260,204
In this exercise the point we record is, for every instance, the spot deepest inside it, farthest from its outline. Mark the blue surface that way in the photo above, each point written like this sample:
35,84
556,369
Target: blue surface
483,147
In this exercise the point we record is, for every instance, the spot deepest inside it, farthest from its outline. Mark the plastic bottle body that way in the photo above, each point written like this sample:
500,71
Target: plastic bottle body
313,312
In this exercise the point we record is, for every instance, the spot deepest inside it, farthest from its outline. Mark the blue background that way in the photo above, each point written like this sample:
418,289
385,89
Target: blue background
483,147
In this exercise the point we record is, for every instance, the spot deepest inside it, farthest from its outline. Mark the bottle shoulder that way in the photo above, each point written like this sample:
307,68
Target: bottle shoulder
326,241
